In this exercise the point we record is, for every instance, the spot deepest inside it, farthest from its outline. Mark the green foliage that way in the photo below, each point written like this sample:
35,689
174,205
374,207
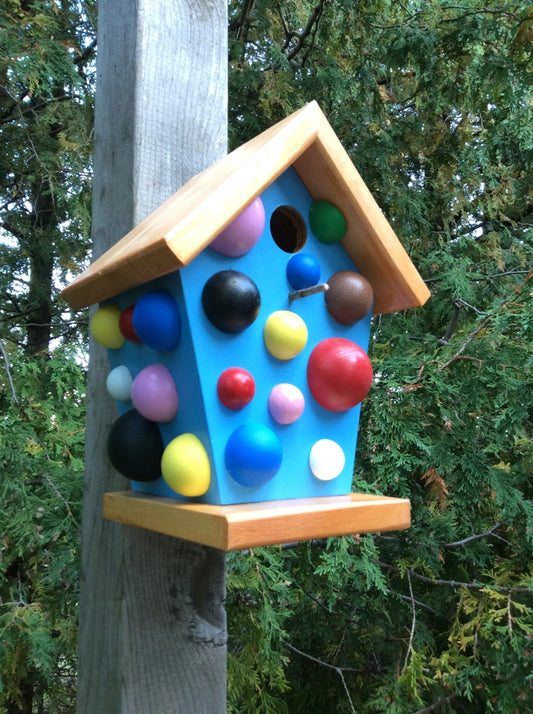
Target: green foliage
41,457
46,112
434,103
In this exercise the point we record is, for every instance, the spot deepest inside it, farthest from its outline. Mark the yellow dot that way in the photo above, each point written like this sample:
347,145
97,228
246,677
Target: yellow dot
105,329
185,466
285,334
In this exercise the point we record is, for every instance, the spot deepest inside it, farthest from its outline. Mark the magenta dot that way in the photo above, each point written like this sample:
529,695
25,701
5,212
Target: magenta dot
242,233
286,403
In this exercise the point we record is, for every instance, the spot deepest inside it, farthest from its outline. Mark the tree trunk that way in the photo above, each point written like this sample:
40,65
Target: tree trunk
41,251
152,621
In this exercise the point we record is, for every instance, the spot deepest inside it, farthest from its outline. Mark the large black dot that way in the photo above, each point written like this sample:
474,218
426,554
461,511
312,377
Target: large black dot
231,301
135,447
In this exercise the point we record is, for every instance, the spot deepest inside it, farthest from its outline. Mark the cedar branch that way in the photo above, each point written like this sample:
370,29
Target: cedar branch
455,583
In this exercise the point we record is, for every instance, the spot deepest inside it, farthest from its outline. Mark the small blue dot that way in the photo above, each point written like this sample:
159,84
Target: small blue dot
303,271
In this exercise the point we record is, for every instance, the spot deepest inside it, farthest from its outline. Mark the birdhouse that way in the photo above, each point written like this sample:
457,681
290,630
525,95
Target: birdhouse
237,320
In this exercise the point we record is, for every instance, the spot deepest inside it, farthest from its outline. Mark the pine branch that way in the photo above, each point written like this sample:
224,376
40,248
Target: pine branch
413,623
87,52
458,18
312,22
418,603
469,539
8,373
240,27
483,324
455,583
61,498
482,11
338,670
444,340
436,705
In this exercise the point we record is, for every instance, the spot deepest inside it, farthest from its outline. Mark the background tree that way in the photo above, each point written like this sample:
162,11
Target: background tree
46,93
46,109
433,101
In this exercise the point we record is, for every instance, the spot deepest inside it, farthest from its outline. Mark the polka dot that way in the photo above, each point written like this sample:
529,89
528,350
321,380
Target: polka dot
135,447
339,374
235,388
157,321
326,459
286,403
231,301
154,393
125,324
105,327
349,297
303,271
327,222
119,382
185,466
285,334
242,233
253,455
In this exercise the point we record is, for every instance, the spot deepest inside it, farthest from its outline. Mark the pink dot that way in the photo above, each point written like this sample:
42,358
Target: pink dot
286,403
242,233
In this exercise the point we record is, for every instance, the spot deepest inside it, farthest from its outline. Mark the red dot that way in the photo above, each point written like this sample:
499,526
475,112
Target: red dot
339,374
235,388
125,324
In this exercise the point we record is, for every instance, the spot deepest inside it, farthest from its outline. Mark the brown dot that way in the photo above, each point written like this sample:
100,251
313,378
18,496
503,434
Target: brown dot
349,298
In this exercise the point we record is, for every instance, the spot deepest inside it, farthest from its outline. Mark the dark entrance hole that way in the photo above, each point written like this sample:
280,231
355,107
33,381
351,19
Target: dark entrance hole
288,229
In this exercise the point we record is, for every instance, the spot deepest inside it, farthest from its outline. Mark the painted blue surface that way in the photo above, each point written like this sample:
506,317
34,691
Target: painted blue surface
204,352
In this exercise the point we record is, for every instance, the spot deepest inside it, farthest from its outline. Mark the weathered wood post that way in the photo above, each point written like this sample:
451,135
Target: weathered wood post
152,622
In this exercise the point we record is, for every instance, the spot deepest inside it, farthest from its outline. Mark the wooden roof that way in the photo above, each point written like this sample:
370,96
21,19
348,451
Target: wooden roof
176,232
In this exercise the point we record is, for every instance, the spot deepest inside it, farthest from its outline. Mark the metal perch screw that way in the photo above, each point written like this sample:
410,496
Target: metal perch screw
305,292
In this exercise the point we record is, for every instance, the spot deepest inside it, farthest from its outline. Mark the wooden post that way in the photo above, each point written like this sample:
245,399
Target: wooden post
152,620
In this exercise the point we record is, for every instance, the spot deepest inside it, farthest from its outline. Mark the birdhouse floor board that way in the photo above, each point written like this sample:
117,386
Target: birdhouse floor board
246,525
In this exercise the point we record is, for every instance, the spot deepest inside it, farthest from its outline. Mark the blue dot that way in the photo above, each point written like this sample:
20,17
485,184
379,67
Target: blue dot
253,455
157,321
303,271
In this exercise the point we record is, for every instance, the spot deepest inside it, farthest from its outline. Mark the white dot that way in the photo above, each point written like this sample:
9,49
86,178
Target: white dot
326,459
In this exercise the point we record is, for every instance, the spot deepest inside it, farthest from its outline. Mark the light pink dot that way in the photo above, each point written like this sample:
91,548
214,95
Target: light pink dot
286,403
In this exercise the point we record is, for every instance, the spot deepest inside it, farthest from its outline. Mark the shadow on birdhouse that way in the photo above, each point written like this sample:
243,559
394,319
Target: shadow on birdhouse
237,319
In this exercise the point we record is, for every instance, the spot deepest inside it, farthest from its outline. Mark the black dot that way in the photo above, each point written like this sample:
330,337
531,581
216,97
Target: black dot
231,301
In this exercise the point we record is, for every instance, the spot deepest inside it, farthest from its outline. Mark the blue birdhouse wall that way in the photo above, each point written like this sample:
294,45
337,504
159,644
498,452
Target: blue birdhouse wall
237,400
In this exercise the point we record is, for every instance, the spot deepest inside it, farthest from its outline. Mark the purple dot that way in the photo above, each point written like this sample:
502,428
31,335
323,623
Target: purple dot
242,233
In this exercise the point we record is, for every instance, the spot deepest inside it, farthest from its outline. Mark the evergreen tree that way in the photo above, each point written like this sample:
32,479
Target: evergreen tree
46,104
433,101
46,109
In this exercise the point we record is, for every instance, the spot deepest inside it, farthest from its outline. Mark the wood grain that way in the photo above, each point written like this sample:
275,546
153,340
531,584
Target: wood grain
253,524
152,621
178,230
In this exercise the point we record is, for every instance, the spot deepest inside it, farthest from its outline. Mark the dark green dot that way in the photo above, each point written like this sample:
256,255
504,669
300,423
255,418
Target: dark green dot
327,222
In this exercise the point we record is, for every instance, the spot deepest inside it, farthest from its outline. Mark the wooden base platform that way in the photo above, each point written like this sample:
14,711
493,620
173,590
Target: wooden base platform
253,524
